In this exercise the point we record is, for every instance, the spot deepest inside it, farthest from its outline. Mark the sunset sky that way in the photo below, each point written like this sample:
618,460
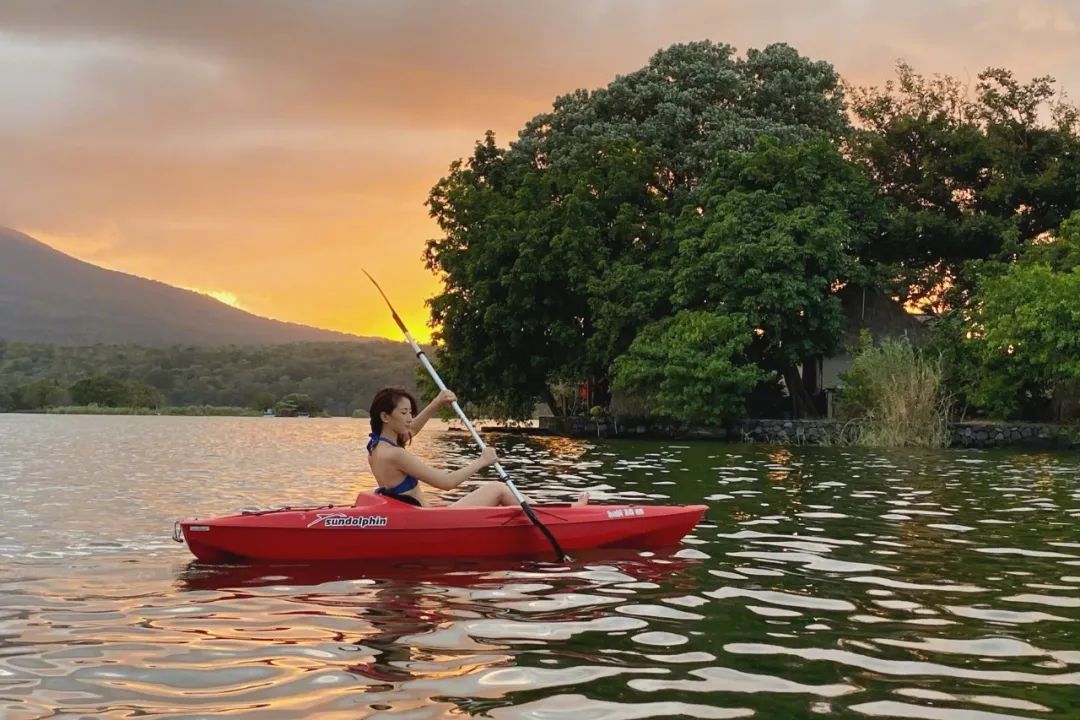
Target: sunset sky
266,150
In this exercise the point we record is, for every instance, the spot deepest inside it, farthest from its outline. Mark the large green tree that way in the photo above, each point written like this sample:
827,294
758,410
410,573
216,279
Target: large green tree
779,230
554,251
1025,331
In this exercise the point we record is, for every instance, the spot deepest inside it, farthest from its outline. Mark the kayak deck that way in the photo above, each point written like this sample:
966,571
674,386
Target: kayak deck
378,528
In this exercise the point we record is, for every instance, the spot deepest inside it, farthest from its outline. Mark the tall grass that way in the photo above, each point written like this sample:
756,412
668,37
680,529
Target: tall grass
895,394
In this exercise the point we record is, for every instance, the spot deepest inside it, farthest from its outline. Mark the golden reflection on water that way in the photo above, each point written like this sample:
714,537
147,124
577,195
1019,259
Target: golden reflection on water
563,447
782,457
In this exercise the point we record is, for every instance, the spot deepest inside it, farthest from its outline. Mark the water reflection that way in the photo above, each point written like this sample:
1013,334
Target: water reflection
435,629
823,582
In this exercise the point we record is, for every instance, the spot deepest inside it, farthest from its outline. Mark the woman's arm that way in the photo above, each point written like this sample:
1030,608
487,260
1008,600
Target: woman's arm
411,465
441,400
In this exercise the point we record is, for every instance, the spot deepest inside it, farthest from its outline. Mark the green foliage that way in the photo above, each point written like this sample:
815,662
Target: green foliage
1025,332
740,174
35,394
691,367
100,390
568,398
961,366
295,404
263,401
141,394
896,394
192,410
557,250
1060,252
337,377
973,177
425,385
777,231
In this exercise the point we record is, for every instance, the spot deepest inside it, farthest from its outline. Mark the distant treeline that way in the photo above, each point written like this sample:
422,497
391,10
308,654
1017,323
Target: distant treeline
335,378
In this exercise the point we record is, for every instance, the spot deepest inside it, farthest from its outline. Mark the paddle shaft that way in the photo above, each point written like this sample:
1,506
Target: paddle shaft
422,356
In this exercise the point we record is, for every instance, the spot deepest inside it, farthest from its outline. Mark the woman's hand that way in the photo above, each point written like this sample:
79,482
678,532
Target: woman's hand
444,398
488,456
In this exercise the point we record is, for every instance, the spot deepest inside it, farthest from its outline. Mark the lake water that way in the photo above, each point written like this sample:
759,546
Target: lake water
824,582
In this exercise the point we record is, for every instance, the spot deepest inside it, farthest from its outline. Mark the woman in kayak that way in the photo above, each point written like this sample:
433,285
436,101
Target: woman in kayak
394,422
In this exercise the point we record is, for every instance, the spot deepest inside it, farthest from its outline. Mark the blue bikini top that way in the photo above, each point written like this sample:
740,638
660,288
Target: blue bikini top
407,484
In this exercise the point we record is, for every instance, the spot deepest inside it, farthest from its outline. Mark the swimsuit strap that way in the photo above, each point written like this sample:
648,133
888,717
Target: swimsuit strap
374,440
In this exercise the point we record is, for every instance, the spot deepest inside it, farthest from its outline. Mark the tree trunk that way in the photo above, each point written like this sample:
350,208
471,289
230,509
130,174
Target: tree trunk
554,406
599,392
802,405
810,375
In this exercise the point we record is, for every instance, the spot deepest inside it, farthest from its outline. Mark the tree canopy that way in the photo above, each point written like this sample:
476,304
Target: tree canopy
738,194
975,176
778,231
557,250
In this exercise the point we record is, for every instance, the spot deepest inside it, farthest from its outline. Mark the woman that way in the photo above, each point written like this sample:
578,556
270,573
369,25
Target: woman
394,421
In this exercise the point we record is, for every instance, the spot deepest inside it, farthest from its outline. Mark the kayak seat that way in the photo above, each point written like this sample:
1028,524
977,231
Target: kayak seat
369,499
365,499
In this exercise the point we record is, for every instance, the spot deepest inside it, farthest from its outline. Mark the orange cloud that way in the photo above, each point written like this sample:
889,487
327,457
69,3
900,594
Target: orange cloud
271,149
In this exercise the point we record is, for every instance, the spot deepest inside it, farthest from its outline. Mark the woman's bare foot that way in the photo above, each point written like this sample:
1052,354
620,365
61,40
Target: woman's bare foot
582,500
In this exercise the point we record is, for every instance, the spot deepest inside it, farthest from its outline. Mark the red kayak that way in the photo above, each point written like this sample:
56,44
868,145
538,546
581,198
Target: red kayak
379,528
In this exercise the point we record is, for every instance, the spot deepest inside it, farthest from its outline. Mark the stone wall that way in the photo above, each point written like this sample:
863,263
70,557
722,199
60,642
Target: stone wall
1033,435
816,432
793,432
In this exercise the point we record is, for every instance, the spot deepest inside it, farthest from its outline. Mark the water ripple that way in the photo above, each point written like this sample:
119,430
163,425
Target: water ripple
823,581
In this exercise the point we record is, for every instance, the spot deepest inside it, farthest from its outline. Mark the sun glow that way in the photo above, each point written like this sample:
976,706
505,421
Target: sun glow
226,297
222,296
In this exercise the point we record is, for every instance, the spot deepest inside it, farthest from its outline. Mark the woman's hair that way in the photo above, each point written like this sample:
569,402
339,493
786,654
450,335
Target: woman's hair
385,401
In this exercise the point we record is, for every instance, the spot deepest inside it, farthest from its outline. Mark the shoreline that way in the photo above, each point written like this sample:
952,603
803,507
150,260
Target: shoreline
988,434
772,431
178,410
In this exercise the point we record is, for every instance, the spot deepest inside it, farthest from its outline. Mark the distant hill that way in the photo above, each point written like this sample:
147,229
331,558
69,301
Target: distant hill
49,297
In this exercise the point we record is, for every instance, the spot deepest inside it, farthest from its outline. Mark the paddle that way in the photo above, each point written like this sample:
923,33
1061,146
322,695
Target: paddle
563,557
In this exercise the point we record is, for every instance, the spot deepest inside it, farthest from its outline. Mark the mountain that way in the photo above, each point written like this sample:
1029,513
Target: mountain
49,297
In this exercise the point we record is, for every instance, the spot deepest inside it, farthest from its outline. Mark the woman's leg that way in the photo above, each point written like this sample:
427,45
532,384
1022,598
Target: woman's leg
491,494
495,493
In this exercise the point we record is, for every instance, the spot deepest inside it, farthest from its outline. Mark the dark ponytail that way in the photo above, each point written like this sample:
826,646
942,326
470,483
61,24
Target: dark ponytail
385,401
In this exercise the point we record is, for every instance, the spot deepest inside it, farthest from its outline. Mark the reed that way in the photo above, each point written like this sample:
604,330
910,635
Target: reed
896,396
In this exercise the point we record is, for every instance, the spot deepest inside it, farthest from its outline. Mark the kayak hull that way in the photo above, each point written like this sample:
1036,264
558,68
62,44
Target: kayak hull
377,528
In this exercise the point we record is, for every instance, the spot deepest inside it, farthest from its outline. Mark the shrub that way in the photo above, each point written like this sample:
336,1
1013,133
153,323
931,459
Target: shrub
896,395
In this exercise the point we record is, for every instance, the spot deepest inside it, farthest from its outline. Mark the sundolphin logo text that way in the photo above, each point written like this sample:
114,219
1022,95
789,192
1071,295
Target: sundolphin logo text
341,520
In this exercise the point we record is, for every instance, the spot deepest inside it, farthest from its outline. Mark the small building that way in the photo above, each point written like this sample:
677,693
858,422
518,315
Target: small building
867,309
